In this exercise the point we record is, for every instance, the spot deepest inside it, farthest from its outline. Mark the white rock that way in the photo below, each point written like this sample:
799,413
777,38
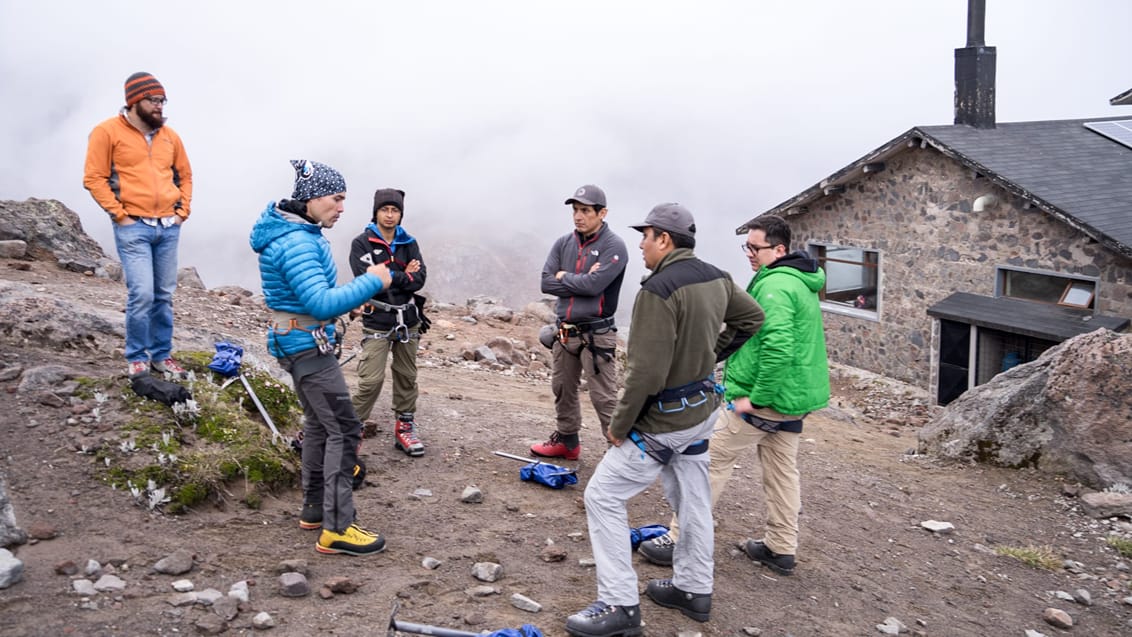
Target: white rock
109,583
208,596
239,591
263,621
431,563
936,526
522,602
11,569
84,587
487,571
182,586
892,626
1034,633
92,567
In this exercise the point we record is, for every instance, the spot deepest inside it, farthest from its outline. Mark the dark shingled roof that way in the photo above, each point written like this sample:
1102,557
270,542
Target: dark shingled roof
1078,176
1061,164
1039,320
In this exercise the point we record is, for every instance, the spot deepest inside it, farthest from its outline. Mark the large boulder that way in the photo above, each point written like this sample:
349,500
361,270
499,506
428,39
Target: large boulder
1068,412
52,232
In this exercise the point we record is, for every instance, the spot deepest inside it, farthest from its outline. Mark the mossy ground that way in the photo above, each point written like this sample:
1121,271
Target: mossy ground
194,455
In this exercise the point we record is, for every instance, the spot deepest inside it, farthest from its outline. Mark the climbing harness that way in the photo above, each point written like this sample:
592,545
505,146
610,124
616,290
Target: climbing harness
676,399
399,332
659,452
585,331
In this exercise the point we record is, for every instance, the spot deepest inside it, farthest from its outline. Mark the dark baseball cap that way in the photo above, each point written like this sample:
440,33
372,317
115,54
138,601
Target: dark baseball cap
588,195
670,217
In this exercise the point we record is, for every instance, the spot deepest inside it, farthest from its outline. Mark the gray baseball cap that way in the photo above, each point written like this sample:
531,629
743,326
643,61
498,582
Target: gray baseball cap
670,217
588,195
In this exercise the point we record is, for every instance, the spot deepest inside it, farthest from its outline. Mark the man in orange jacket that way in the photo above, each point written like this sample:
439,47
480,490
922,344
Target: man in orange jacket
138,172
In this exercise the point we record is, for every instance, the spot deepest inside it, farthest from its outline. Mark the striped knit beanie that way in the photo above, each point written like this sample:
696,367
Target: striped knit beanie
141,85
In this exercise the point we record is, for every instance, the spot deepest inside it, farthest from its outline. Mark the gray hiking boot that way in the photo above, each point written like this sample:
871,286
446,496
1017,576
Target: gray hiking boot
694,605
603,620
658,550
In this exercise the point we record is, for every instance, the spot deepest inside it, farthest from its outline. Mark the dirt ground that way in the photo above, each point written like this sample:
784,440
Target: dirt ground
863,555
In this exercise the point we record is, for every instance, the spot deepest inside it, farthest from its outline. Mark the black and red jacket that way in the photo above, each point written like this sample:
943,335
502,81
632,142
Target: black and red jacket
370,248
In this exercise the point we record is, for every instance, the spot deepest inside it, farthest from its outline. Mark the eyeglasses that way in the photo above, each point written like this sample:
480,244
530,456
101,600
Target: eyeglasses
752,249
156,101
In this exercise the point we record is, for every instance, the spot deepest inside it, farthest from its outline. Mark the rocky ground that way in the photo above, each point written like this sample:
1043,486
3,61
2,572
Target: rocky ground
865,556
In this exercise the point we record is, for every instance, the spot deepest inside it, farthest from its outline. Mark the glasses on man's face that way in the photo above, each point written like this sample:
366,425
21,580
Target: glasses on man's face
753,249
157,101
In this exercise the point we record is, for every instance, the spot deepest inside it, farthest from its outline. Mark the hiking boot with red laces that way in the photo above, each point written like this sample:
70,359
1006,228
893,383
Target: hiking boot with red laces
405,438
559,446
137,368
168,366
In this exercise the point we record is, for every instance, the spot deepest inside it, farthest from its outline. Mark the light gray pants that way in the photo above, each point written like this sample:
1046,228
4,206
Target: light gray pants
624,472
331,433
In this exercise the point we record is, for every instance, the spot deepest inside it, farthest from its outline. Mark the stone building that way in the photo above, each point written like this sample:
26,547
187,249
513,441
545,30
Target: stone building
953,253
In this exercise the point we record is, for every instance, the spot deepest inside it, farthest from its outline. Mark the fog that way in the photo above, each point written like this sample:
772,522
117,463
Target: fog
489,114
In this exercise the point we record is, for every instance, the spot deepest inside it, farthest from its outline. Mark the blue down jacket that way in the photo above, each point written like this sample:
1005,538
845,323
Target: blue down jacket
298,275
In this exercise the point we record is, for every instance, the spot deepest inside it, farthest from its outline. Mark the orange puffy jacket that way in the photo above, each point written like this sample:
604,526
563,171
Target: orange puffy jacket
129,177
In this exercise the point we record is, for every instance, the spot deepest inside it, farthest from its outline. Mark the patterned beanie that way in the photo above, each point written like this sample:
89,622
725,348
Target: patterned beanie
314,180
388,197
141,85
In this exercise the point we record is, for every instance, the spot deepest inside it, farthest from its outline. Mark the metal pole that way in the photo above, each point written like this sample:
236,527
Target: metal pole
262,411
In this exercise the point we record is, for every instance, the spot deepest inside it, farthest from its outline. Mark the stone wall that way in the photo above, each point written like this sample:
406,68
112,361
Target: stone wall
918,214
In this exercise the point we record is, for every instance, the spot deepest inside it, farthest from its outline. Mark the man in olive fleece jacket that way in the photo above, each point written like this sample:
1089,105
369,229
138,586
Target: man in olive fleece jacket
773,381
674,342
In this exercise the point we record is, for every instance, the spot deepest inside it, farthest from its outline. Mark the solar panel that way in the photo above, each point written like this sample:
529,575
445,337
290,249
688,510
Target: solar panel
1119,131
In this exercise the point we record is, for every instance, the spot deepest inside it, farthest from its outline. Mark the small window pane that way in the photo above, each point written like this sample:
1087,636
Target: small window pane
850,276
1033,286
1048,288
1078,294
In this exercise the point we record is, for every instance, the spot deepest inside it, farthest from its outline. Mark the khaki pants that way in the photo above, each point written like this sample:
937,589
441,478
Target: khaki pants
566,380
778,455
371,374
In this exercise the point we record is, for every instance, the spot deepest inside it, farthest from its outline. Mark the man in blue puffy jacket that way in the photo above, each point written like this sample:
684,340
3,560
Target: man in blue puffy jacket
299,286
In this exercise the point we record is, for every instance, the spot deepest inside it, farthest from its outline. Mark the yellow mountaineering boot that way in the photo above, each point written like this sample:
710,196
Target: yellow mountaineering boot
353,541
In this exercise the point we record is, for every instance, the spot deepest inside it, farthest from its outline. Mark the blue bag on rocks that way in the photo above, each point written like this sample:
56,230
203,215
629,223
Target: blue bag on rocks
551,475
645,533
227,360
526,631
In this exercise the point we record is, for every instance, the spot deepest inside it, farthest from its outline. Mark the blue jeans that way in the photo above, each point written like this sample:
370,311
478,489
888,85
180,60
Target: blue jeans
149,263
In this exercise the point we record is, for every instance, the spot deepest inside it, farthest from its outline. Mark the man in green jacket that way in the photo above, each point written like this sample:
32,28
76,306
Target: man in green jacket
772,382
687,316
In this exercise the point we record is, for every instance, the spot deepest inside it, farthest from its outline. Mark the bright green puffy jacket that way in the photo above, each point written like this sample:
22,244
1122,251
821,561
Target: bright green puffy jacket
784,365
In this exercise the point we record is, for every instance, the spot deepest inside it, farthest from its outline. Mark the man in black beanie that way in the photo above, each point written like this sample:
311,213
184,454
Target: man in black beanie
392,320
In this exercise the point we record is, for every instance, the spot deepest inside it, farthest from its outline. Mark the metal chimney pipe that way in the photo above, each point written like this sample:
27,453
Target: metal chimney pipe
976,22
974,73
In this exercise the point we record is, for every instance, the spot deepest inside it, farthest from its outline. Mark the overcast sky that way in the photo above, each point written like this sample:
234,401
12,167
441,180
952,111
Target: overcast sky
489,114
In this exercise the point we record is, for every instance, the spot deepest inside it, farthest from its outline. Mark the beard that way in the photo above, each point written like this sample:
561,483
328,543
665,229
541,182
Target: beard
153,120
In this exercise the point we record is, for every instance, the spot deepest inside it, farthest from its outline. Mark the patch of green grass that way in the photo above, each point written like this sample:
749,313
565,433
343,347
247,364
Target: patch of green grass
1035,556
194,456
1122,546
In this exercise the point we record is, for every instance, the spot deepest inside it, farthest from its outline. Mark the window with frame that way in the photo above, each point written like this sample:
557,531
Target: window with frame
1047,287
851,276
